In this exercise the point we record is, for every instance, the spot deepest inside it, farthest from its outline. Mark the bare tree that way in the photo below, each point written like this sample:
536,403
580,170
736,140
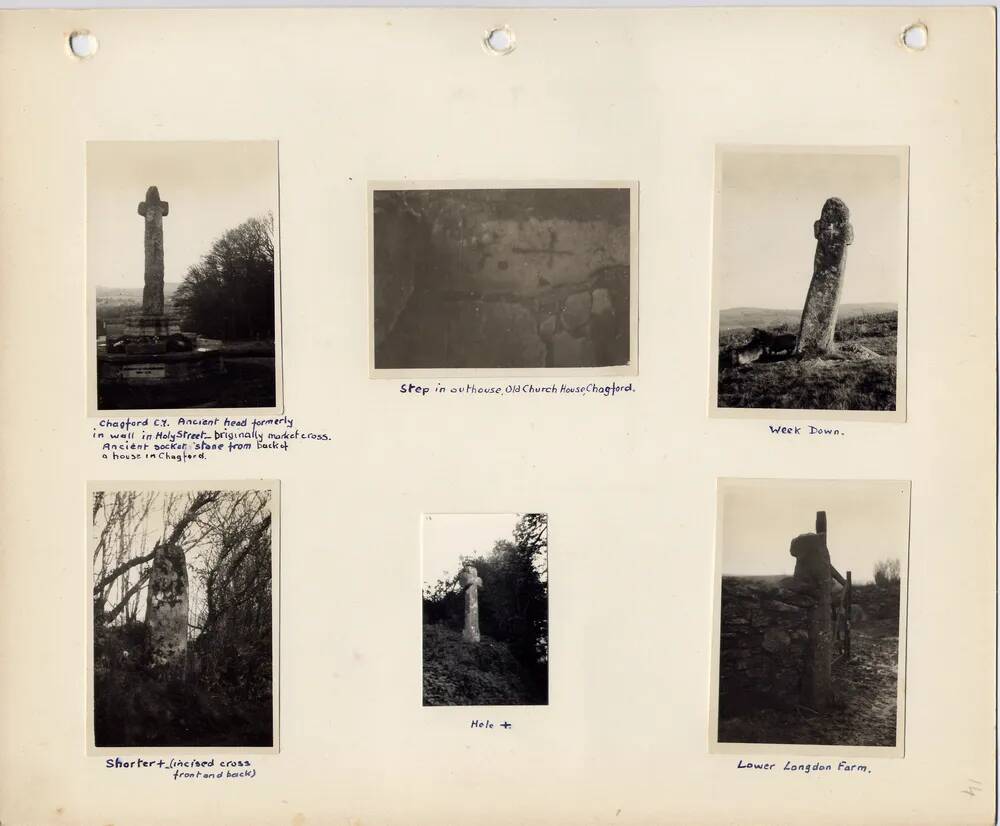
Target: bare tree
122,543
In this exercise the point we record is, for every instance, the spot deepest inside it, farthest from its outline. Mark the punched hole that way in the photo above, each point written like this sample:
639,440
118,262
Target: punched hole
82,44
915,37
499,40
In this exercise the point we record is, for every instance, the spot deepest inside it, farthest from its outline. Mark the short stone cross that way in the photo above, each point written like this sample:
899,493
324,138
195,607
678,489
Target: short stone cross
167,610
154,211
833,232
471,583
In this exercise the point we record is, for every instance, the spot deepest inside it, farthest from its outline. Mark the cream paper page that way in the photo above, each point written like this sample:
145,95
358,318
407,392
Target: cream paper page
629,483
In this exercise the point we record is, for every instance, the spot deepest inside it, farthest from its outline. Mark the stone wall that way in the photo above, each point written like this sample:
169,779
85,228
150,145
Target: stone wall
764,640
506,278
878,602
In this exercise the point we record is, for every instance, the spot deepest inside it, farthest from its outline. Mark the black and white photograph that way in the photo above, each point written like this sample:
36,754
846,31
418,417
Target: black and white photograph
810,267
181,268
485,609
503,278
184,615
810,614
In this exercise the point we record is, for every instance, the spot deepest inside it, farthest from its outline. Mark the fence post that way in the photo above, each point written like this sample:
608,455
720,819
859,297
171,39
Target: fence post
847,618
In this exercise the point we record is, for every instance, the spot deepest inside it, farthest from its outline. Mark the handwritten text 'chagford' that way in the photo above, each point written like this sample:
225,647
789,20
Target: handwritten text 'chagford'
186,439
525,389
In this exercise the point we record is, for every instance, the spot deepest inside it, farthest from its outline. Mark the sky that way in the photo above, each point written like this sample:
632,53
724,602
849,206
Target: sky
768,201
867,521
211,187
448,536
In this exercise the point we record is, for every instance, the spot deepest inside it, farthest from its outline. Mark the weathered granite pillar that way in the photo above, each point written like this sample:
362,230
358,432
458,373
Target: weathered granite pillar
167,610
833,233
472,583
813,570
154,211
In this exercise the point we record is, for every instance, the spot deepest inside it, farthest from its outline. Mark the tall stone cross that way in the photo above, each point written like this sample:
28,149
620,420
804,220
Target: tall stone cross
154,211
813,570
472,583
834,233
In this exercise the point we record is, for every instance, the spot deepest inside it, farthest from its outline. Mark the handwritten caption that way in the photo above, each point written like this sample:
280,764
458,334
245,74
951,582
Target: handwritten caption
803,430
187,439
521,389
488,724
190,769
806,768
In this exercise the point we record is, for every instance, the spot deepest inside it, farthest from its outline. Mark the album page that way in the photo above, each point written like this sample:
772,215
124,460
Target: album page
498,416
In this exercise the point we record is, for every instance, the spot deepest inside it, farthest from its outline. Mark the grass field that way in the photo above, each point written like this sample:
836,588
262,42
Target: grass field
817,384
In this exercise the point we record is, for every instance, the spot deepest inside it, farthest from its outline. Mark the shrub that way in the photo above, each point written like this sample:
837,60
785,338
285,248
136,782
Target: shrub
485,673
887,572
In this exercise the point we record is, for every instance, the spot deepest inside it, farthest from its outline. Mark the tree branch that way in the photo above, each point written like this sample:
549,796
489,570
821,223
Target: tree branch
251,542
211,589
121,569
202,500
109,616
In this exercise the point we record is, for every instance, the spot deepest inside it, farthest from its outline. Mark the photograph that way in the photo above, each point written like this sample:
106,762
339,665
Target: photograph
182,277
485,609
810,614
184,615
503,278
810,269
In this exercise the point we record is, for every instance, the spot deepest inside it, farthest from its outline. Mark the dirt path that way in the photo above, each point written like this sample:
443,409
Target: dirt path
867,685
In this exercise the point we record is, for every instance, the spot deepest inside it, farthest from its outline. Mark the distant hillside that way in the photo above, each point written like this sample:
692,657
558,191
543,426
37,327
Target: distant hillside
770,579
113,296
736,317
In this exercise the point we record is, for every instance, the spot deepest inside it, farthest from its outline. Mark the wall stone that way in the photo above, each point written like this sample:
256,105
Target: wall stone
764,643
491,255
501,279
